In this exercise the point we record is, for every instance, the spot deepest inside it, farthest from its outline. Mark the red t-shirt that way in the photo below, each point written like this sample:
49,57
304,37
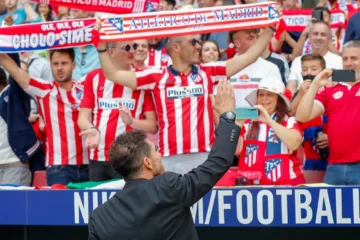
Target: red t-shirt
342,105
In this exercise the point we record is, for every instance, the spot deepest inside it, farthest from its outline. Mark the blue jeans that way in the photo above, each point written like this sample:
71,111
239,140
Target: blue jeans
343,174
64,174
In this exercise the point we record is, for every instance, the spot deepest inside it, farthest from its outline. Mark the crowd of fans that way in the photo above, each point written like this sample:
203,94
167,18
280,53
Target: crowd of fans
74,102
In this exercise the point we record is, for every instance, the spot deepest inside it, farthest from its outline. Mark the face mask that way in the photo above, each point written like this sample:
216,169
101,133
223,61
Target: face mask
309,77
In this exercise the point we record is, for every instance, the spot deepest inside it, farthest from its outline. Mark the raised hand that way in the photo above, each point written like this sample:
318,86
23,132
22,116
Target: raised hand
322,79
264,115
304,87
92,137
224,101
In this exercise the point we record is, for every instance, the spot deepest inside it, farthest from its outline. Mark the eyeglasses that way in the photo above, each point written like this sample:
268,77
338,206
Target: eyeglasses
194,42
128,47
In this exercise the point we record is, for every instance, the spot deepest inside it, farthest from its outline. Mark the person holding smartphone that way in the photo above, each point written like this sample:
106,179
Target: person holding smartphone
315,142
268,143
341,102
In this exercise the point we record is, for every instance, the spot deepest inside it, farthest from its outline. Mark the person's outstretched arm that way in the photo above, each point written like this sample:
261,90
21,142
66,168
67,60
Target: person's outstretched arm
237,63
189,188
308,109
124,78
19,75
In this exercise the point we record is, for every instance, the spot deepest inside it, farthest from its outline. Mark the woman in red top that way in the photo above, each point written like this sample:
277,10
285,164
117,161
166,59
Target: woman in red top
268,144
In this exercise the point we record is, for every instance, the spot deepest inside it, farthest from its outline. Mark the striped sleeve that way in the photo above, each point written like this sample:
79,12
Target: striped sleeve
215,70
147,79
39,87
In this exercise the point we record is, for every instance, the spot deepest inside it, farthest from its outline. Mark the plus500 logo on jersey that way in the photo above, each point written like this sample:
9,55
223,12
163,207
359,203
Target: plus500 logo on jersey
184,92
114,103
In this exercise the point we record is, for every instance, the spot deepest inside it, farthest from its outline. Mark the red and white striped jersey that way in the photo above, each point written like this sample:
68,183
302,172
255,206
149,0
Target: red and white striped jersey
158,58
60,110
184,110
104,97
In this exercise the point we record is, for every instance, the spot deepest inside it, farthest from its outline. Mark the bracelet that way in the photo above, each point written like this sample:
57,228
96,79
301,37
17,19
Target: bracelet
102,50
95,128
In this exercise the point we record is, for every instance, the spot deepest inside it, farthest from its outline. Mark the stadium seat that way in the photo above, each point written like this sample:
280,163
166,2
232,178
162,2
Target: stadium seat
39,179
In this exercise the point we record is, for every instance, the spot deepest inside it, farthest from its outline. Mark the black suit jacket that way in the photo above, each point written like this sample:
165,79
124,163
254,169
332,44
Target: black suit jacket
159,209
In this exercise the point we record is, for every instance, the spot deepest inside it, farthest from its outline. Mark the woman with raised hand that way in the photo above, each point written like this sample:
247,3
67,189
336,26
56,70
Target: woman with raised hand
268,144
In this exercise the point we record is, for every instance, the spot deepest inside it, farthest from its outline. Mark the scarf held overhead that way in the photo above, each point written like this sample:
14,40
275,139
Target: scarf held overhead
177,23
42,36
107,6
74,33
297,20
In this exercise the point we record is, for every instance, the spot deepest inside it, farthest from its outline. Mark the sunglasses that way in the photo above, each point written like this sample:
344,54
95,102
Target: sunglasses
157,148
194,42
128,47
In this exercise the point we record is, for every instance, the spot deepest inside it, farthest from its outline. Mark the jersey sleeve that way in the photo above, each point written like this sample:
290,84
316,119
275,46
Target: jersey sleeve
320,98
39,87
148,79
88,100
148,103
215,70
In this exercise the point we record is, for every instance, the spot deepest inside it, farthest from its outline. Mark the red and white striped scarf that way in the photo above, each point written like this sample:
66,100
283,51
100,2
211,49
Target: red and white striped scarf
195,21
74,33
107,6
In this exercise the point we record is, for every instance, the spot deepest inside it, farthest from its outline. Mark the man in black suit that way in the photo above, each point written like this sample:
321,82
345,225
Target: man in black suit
155,205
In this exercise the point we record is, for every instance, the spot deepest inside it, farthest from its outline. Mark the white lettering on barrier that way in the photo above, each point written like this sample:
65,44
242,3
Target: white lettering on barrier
249,200
284,193
339,211
211,206
320,212
222,205
198,209
81,204
299,205
85,202
261,209
356,206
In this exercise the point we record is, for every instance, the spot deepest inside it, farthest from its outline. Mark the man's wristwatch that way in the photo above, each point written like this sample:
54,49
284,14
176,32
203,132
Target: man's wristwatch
228,116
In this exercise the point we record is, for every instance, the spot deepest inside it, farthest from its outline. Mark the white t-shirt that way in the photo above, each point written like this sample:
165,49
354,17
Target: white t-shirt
248,79
332,61
6,153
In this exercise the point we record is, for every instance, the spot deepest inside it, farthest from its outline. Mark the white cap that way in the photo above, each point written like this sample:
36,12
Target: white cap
270,84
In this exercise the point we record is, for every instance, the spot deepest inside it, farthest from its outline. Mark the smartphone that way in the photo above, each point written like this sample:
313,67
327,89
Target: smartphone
343,75
318,15
246,113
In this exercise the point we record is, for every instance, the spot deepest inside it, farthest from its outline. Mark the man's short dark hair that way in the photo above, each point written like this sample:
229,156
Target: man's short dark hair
127,152
324,9
69,51
314,57
252,30
3,77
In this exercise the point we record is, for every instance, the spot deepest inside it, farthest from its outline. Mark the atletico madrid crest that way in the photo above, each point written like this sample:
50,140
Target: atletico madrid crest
251,154
273,169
